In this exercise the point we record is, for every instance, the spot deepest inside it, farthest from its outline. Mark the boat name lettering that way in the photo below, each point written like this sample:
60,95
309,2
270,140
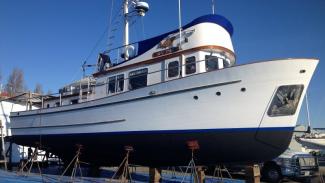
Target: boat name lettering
166,51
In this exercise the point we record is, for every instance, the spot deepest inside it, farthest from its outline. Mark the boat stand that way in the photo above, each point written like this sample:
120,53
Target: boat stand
30,161
196,173
219,171
155,175
124,168
320,176
76,166
253,173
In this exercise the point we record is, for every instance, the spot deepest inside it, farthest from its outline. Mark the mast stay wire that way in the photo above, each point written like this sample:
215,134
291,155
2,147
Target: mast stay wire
110,21
105,31
116,23
142,26
97,42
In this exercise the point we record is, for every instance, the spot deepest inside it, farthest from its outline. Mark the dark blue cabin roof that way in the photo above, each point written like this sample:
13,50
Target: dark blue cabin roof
147,44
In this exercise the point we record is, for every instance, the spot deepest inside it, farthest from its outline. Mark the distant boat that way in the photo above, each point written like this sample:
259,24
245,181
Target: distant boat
311,139
159,94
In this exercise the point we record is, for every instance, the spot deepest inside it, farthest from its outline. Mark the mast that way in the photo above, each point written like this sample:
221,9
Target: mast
180,23
213,9
139,8
308,115
126,28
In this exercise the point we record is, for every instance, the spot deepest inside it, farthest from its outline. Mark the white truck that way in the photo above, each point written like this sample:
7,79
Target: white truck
295,165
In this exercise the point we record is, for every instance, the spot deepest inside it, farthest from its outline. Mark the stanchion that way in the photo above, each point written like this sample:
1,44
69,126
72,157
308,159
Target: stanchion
191,168
30,161
219,171
124,167
76,166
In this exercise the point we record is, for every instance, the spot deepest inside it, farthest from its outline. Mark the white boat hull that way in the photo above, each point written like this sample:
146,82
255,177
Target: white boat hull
163,117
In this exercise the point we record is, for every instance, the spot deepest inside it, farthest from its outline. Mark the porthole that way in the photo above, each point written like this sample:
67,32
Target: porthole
218,93
302,71
243,89
195,97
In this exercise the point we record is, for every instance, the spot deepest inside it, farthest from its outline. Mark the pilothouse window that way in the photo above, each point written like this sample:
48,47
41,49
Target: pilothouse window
173,69
211,62
190,65
138,79
226,63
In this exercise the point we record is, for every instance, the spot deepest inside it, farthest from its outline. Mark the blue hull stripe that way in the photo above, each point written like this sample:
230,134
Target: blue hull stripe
219,130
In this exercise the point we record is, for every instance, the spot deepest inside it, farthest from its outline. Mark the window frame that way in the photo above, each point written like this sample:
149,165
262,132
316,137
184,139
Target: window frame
117,80
208,59
174,67
187,65
133,74
285,100
110,79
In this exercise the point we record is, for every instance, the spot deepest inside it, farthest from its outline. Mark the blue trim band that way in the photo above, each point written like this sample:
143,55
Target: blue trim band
269,129
145,45
217,19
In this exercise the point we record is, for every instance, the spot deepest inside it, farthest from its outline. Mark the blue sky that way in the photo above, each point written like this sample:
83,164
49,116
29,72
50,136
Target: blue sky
49,39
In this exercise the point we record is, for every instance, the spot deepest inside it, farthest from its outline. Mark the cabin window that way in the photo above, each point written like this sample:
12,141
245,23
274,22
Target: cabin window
211,62
173,69
138,79
74,101
285,100
47,105
57,104
190,65
226,63
120,83
111,84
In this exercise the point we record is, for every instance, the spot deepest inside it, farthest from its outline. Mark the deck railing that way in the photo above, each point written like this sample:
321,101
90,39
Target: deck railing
86,94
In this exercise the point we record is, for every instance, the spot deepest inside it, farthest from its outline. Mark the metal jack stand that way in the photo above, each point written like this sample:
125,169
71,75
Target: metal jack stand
76,165
31,160
218,172
321,179
194,175
124,167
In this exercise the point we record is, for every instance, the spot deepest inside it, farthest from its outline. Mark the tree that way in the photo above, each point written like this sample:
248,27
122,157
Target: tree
15,83
38,89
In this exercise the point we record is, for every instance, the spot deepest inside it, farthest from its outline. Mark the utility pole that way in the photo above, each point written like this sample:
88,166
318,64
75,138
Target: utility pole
3,146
